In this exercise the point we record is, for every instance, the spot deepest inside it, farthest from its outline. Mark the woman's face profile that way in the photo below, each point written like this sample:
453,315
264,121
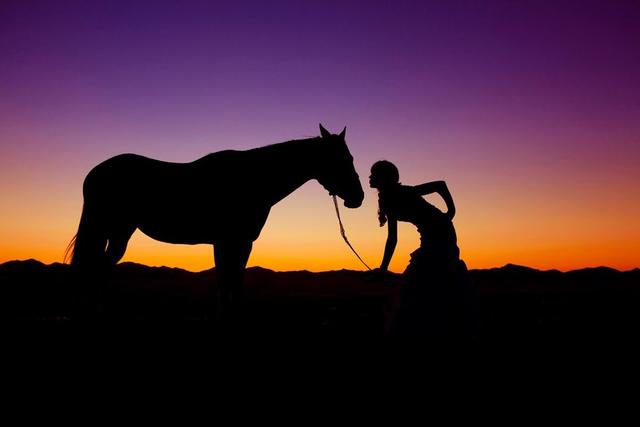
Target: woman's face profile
381,178
377,179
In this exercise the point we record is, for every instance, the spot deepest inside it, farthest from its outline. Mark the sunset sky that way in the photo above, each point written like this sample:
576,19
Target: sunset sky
530,110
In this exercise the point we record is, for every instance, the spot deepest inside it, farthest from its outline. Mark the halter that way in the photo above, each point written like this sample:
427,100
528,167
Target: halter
342,232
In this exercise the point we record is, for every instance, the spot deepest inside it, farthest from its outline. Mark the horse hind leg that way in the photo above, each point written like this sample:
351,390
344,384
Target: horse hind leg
88,261
117,246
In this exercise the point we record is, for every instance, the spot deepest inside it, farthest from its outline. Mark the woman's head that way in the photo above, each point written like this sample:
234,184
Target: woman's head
383,175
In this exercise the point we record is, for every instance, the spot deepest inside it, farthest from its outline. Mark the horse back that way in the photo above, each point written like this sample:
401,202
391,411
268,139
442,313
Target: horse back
133,170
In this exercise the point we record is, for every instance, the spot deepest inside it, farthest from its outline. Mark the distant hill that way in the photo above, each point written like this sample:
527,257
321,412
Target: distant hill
516,302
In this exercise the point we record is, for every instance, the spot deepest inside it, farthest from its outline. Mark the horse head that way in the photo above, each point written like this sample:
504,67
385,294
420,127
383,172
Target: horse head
336,172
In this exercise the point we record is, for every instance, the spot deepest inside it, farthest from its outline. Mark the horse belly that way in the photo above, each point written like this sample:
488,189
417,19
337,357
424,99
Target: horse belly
185,208
240,224
183,228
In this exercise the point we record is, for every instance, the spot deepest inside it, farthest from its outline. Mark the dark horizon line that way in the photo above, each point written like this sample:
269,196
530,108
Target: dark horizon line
505,266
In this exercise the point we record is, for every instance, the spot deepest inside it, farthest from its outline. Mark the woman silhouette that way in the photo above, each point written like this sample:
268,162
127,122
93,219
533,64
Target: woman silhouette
435,299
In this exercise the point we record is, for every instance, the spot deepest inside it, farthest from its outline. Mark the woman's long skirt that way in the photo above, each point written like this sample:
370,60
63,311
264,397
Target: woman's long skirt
437,300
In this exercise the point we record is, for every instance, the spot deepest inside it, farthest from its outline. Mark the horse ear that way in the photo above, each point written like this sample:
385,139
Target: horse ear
325,133
343,133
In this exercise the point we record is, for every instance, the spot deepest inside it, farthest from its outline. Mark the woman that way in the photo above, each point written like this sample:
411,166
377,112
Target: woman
435,299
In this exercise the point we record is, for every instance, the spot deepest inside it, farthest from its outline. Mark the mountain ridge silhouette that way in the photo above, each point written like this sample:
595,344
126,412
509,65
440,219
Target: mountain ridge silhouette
517,303
507,267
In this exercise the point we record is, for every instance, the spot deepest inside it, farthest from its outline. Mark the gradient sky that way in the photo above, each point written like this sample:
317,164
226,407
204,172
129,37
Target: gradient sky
530,111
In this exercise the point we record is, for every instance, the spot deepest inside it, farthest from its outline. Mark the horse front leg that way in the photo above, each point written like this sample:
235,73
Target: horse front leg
231,259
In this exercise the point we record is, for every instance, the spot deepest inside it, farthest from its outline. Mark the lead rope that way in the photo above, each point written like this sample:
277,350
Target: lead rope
344,235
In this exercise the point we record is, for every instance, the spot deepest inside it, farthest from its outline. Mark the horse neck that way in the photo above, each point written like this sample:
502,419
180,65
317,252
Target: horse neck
287,166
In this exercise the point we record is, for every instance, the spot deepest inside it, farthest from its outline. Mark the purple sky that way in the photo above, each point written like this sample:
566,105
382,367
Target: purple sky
498,97
180,65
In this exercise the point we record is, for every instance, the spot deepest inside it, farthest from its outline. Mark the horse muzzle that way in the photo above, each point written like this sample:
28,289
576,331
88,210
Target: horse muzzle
354,202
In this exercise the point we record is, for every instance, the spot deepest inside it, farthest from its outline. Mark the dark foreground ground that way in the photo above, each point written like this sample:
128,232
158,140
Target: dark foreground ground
515,303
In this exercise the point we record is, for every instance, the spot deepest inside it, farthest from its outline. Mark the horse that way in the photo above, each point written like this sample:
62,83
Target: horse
222,199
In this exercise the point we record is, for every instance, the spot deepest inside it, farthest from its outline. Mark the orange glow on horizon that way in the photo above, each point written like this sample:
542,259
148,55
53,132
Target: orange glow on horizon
299,238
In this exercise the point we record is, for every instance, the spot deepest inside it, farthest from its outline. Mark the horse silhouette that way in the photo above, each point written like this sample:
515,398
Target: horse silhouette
222,199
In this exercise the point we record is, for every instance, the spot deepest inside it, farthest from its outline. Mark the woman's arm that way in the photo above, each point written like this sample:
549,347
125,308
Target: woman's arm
441,188
390,246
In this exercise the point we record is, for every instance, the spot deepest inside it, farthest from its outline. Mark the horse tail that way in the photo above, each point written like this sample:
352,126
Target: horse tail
87,247
70,249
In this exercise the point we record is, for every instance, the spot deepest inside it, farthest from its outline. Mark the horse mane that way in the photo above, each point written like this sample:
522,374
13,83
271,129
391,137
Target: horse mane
285,144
